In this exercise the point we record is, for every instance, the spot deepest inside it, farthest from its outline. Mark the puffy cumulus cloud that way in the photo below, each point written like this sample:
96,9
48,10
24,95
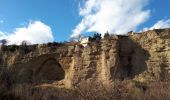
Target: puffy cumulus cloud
159,25
115,16
36,32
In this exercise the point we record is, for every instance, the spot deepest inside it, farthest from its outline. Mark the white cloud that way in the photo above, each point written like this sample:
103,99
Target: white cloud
2,36
36,32
159,25
115,16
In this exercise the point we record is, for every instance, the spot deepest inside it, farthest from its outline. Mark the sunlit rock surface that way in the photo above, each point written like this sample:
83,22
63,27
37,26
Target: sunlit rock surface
141,56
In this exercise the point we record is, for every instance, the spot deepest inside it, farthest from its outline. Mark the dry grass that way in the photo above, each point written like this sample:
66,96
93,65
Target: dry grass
121,90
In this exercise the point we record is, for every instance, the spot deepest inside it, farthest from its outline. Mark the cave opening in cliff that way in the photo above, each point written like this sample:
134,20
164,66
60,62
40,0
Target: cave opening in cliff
50,70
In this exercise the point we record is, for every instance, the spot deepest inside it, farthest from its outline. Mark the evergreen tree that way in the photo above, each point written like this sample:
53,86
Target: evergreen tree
96,36
106,35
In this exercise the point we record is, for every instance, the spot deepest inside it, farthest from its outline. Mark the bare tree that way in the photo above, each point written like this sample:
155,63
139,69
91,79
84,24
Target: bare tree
24,46
25,43
4,41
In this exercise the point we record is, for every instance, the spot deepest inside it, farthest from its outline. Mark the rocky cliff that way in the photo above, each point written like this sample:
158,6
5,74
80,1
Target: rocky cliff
141,56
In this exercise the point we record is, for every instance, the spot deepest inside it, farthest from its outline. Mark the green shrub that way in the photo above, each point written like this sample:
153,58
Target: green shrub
13,48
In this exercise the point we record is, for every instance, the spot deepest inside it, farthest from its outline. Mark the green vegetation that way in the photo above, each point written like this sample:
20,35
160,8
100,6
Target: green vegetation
96,37
106,35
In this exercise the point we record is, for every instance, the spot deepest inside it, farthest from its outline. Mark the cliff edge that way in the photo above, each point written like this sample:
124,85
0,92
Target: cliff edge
141,56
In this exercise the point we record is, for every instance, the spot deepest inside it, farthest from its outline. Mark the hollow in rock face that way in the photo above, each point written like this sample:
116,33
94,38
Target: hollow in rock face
50,70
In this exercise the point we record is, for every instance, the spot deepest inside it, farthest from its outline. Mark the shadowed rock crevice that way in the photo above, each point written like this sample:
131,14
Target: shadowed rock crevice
49,70
132,58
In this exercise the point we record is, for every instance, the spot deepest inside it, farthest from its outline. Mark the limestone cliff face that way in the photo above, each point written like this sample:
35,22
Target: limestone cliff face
156,43
142,56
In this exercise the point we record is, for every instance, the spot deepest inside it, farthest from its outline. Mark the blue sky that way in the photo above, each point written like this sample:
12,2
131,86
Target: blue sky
66,18
159,10
60,15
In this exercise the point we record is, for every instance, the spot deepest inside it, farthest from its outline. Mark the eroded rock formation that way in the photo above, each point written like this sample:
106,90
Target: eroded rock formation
141,56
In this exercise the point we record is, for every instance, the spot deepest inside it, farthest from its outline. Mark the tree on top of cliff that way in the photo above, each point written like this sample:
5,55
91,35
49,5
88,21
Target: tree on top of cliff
106,35
3,41
25,43
24,46
95,37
